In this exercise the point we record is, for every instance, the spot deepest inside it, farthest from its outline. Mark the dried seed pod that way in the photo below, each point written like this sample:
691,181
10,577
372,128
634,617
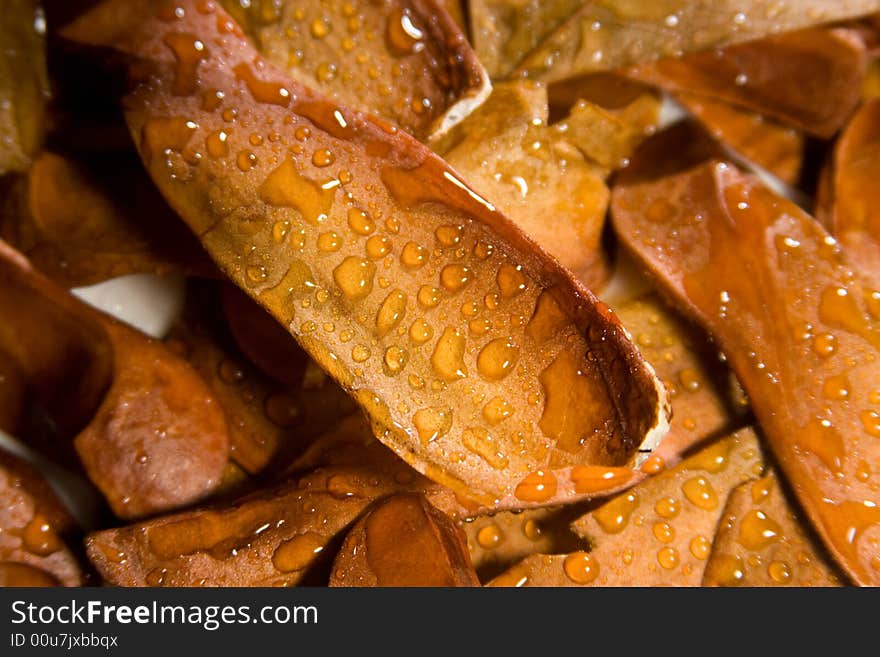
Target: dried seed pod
404,541
376,264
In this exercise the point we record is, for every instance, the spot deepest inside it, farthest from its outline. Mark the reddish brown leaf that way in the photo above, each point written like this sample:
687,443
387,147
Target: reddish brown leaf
799,328
762,541
499,541
148,432
612,34
706,399
774,147
279,536
24,84
13,396
35,530
504,31
506,151
81,222
269,423
850,207
266,344
340,256
811,79
404,60
404,541
658,533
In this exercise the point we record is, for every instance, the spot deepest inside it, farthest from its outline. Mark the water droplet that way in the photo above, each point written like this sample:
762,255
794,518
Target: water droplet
531,530
663,532
757,531
329,242
497,359
479,441
428,296
700,546
38,537
668,558
448,357
490,537
511,280
323,158
216,143
360,222
700,493
871,422
378,246
298,552
581,567
360,353
395,360
354,276
432,423
413,255
497,410
448,235
613,516
779,572
455,277
539,486
690,379
420,331
391,312
667,507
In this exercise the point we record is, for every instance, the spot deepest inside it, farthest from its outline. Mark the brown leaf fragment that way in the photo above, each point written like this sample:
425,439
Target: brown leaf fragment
266,344
499,541
706,399
504,31
406,61
658,533
762,541
506,151
82,222
850,208
147,430
809,79
404,541
24,83
36,530
13,396
407,286
799,327
609,137
612,34
774,147
269,422
455,9
278,536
